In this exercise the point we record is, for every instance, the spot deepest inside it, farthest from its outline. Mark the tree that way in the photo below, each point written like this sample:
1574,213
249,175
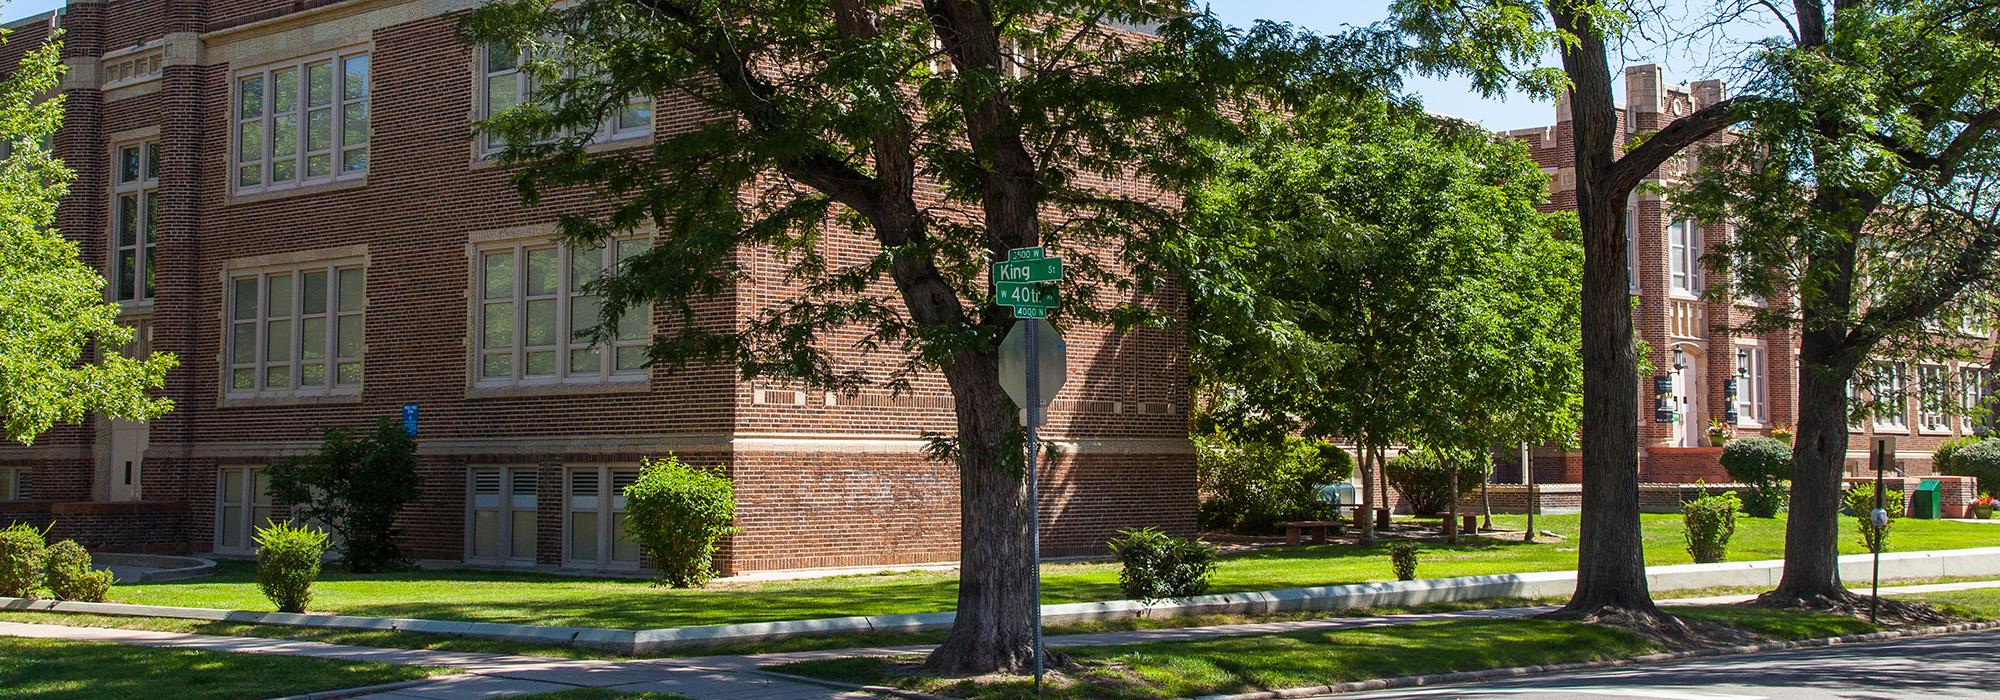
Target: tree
52,308
945,131
1368,271
1500,44
354,486
1863,195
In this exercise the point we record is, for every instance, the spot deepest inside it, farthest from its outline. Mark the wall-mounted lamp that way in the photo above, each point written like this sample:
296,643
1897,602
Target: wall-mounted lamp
1680,358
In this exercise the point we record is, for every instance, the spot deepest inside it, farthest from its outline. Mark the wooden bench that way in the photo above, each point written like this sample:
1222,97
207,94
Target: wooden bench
1381,518
1319,529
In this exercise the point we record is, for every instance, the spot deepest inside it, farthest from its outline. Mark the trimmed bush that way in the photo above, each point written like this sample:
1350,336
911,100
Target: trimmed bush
1249,486
288,558
1709,522
23,556
1421,477
1403,558
1979,459
1157,566
1763,463
71,577
1941,459
355,485
1764,501
1860,502
679,514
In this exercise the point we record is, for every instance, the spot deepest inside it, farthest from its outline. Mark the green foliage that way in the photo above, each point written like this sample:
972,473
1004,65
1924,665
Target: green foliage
1949,447
1403,558
1709,521
1156,566
1249,485
1979,459
1860,503
679,514
1366,270
70,576
1423,476
23,555
355,485
1764,464
52,308
288,558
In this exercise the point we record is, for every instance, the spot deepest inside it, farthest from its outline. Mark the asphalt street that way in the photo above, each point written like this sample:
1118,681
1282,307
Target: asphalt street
1952,666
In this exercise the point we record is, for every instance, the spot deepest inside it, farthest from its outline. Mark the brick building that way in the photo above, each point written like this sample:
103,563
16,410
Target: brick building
285,195
1703,371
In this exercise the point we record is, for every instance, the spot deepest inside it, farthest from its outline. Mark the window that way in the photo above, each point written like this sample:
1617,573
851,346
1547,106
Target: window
1933,397
1684,256
595,519
296,331
242,504
1752,385
1738,262
135,171
528,293
501,522
16,484
506,82
1976,393
1891,409
328,96
1632,243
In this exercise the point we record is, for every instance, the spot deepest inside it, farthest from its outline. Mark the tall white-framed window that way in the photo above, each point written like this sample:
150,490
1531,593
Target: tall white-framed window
1933,399
500,514
16,484
1684,256
1753,385
1632,243
301,122
1737,263
1975,396
296,330
595,536
135,182
1892,405
242,504
536,313
506,82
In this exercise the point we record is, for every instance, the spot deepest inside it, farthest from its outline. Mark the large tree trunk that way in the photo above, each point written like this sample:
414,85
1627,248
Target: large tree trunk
1812,527
1611,567
1451,510
994,629
1366,512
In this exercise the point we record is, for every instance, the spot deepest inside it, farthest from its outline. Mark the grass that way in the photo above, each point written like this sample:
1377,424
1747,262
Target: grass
1313,658
52,669
532,598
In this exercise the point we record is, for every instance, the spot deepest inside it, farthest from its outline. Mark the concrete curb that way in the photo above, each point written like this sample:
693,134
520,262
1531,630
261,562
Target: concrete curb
1754,574
357,692
837,685
166,567
1520,671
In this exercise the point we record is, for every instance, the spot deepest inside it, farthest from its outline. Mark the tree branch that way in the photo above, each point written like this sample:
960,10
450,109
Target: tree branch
1627,172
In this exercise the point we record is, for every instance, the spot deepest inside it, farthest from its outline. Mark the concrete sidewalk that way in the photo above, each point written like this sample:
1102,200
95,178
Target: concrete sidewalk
725,677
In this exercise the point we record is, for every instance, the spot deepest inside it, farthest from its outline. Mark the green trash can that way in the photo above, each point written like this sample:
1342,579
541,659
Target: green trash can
1928,504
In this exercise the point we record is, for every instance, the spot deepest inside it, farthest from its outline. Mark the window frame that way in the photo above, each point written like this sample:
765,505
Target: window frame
608,131
1684,255
1933,390
338,148
1753,385
607,506
1892,389
1975,392
1632,243
260,321
565,295
17,484
144,191
252,499
506,505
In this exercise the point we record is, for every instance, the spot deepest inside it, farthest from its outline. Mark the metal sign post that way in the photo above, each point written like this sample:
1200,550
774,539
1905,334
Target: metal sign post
1023,284
1884,454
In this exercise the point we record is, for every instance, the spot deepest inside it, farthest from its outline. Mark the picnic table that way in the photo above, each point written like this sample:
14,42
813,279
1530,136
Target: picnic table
1318,528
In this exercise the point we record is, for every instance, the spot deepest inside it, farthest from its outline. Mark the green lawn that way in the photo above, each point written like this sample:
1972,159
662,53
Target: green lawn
48,669
529,598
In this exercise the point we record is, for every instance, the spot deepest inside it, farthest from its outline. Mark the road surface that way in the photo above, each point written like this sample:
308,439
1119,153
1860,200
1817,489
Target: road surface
1952,666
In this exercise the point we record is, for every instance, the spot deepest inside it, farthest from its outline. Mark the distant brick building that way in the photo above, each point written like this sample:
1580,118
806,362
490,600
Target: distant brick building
1749,382
285,195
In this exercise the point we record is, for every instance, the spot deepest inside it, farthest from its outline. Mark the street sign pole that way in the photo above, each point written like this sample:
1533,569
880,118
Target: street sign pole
1885,450
1034,390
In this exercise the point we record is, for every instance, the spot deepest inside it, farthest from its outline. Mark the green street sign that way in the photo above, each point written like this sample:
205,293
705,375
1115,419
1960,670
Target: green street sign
1035,253
1025,294
1037,270
1030,312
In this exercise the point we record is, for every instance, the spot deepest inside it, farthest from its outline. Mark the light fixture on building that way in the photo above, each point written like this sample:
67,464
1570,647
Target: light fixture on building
1680,358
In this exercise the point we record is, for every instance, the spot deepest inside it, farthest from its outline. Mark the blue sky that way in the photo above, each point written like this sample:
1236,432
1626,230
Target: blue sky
1446,96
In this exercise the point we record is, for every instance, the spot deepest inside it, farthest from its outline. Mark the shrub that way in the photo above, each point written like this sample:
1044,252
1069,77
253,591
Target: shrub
1403,558
1860,503
1979,459
1421,477
678,515
70,576
1709,522
23,554
354,486
1158,566
288,558
1941,459
1757,460
1250,486
1764,501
